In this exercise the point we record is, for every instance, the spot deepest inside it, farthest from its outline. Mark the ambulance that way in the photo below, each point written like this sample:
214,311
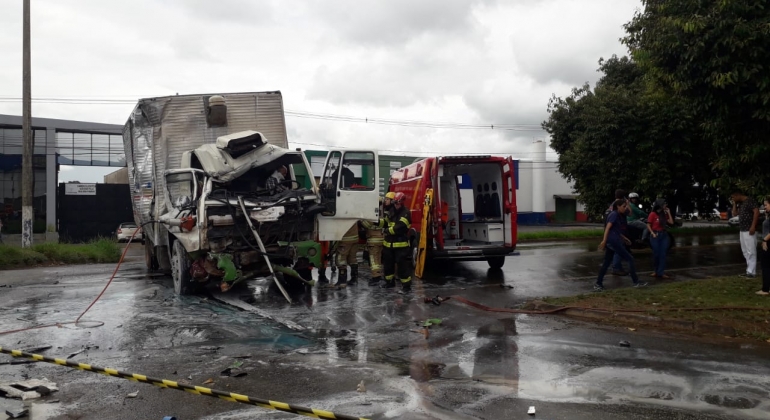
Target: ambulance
465,206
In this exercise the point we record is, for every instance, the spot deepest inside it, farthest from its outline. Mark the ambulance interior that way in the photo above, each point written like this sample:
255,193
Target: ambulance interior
483,223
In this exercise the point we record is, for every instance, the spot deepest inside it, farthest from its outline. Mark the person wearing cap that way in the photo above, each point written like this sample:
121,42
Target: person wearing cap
637,217
657,223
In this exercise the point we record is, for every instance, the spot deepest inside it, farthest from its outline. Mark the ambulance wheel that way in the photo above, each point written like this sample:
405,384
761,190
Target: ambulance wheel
496,262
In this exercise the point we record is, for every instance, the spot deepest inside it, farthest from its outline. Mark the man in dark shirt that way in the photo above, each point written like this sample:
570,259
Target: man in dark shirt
748,214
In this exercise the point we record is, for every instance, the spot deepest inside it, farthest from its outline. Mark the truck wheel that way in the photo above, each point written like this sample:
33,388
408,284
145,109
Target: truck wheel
180,269
496,262
149,257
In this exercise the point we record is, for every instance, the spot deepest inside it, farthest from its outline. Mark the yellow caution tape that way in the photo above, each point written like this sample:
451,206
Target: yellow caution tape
198,390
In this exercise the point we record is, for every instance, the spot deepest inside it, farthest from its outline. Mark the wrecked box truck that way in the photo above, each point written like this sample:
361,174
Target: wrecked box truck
200,168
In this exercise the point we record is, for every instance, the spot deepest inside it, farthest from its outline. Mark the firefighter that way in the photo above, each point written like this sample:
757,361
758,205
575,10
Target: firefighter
396,248
346,256
374,239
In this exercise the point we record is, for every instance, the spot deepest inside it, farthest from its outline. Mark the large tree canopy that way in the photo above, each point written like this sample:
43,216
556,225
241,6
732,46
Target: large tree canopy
622,134
714,55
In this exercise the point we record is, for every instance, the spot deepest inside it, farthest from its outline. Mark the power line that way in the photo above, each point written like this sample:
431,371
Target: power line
311,115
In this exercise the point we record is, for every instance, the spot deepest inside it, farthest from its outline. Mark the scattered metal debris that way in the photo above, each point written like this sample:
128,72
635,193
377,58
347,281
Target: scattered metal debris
624,343
17,414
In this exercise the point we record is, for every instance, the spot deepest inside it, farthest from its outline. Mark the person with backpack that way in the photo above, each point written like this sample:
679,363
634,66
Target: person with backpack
614,243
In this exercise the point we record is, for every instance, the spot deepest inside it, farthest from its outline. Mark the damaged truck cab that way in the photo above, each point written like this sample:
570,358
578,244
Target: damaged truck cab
220,201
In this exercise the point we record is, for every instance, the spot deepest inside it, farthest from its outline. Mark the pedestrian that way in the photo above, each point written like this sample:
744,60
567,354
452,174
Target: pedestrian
614,243
748,215
395,246
617,264
657,223
764,254
637,216
1,230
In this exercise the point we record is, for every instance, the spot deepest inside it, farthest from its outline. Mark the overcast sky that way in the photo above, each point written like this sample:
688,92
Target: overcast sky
460,61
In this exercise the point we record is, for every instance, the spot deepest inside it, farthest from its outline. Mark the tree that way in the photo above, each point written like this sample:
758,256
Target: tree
624,135
714,56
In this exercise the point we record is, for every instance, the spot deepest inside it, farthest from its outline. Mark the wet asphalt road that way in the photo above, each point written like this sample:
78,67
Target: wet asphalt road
313,353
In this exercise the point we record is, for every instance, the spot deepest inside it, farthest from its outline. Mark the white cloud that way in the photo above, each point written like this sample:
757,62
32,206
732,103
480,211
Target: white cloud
465,61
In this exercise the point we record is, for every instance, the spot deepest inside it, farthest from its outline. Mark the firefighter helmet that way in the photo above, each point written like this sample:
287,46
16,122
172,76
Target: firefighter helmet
399,198
391,195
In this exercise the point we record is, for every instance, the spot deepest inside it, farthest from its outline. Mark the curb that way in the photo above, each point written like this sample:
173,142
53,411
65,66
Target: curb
637,318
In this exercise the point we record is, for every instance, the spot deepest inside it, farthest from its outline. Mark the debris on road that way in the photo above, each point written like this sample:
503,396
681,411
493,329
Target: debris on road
37,349
361,387
133,394
17,414
436,300
632,329
531,410
208,381
76,353
625,343
28,390
431,322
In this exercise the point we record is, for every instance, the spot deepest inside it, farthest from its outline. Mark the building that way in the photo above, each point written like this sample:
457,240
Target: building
56,142
543,195
118,177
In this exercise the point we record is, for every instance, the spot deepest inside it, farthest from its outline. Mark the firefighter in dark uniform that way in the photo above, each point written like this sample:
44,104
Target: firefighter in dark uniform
395,246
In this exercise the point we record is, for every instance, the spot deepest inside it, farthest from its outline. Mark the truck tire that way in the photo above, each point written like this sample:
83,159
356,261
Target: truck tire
149,257
180,269
496,262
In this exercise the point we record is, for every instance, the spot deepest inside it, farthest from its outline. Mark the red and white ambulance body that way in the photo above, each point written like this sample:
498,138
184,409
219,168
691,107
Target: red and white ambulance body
472,226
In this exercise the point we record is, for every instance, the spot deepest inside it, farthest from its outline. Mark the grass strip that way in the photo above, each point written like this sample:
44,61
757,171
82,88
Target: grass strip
97,251
715,292
597,232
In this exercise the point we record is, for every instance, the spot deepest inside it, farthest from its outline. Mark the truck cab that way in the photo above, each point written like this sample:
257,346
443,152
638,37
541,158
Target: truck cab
473,212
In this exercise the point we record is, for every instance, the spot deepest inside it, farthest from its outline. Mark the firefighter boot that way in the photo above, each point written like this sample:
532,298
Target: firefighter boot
342,276
374,281
353,274
406,286
389,283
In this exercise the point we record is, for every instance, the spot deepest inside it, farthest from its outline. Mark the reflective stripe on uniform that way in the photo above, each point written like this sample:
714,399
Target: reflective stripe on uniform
405,221
406,280
390,277
349,239
395,244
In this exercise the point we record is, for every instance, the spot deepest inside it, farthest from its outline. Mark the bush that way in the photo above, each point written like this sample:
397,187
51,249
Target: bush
97,251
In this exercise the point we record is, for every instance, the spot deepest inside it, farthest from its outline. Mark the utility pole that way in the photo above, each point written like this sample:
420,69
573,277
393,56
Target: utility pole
27,213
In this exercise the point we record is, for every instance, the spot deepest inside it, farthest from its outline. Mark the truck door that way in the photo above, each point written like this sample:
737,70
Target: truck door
509,203
349,190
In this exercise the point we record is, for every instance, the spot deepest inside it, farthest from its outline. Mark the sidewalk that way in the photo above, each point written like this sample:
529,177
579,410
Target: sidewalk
559,226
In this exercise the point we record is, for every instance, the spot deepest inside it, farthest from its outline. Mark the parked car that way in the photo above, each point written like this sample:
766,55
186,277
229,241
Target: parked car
126,230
